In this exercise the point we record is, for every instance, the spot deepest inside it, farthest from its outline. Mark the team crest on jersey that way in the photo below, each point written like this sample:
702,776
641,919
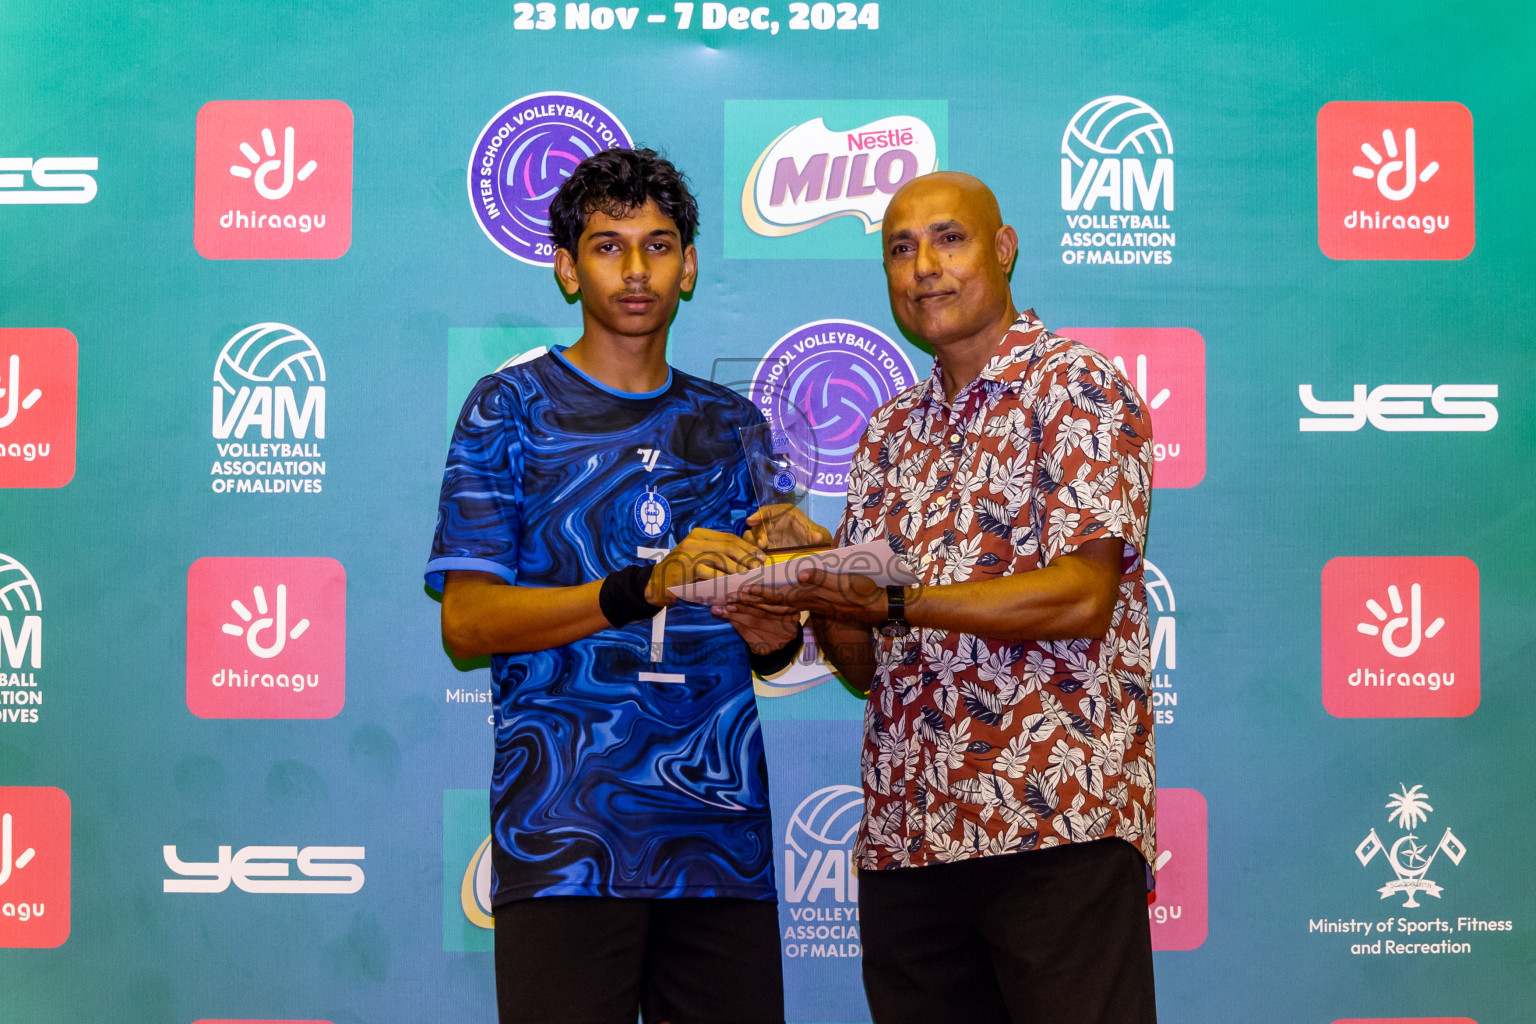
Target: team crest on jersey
653,514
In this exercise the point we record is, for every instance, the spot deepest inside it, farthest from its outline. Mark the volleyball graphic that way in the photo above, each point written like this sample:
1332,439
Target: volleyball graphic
828,817
1112,125
266,353
18,590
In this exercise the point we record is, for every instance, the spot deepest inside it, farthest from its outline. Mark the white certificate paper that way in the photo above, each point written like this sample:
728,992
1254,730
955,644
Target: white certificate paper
874,559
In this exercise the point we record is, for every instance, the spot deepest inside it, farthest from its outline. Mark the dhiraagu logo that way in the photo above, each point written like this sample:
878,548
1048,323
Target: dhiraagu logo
468,879
811,178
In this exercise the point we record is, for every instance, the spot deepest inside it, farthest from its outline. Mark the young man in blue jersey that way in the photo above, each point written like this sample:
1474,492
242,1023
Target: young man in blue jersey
629,804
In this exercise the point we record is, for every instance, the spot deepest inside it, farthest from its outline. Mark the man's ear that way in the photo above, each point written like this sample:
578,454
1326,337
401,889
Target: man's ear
690,269
1007,248
565,272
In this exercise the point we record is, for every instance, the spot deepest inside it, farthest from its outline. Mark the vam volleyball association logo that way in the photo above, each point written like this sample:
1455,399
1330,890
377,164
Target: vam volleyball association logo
1117,184
1401,637
274,180
268,413
266,637
1395,181
821,889
1164,629
21,644
522,157
34,867
831,375
38,393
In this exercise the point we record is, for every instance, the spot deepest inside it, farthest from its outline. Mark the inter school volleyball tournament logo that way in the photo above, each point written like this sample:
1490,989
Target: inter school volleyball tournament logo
268,413
1179,916
34,867
38,392
1409,856
832,375
821,889
1117,184
274,180
522,157
1166,365
21,644
266,637
1395,181
1401,637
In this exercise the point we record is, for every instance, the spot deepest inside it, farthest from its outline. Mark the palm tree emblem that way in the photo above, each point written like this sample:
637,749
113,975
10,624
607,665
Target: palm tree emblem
1409,808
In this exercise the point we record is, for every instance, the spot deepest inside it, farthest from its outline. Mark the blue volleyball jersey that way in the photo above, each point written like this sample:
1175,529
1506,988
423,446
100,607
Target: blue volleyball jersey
628,763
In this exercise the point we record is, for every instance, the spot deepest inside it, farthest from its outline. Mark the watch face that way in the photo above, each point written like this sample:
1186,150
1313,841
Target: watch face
894,629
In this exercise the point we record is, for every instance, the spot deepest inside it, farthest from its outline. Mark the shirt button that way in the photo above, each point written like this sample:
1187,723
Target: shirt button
926,559
954,438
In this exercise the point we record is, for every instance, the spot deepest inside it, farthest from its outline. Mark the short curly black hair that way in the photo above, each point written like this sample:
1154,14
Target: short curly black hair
614,182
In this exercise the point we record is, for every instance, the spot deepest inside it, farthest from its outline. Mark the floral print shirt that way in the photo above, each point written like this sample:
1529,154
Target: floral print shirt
976,746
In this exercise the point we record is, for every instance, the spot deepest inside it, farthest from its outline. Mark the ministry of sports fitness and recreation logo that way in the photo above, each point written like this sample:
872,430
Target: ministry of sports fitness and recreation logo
1166,365
1117,184
268,413
21,644
821,889
831,166
1409,857
1395,181
266,637
522,157
469,879
38,392
1400,407
274,180
46,181
1401,637
34,867
1180,914
832,375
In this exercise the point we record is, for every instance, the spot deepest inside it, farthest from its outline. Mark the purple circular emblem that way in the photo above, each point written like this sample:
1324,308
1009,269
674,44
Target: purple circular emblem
522,156
830,375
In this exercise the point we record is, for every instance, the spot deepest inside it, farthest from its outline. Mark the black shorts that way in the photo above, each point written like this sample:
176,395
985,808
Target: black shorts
1055,936
602,960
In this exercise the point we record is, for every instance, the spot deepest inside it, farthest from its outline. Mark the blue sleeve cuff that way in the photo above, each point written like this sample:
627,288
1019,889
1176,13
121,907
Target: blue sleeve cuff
437,567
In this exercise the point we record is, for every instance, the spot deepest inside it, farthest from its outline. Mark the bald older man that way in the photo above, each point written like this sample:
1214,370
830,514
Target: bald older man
1008,756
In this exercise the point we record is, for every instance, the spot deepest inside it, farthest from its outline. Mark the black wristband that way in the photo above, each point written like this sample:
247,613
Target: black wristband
777,661
622,597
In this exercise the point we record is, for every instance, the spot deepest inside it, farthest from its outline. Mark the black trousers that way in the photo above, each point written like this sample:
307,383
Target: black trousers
1055,936
600,960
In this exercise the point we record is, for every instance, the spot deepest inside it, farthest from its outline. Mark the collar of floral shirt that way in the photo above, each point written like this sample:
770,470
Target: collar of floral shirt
1007,368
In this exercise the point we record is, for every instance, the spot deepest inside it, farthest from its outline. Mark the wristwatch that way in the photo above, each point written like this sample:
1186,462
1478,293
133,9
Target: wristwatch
895,623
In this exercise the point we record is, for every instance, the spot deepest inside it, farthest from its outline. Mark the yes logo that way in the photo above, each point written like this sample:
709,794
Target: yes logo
1401,637
322,870
38,388
56,180
1400,407
1166,365
274,180
1179,917
34,867
266,637
1395,181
